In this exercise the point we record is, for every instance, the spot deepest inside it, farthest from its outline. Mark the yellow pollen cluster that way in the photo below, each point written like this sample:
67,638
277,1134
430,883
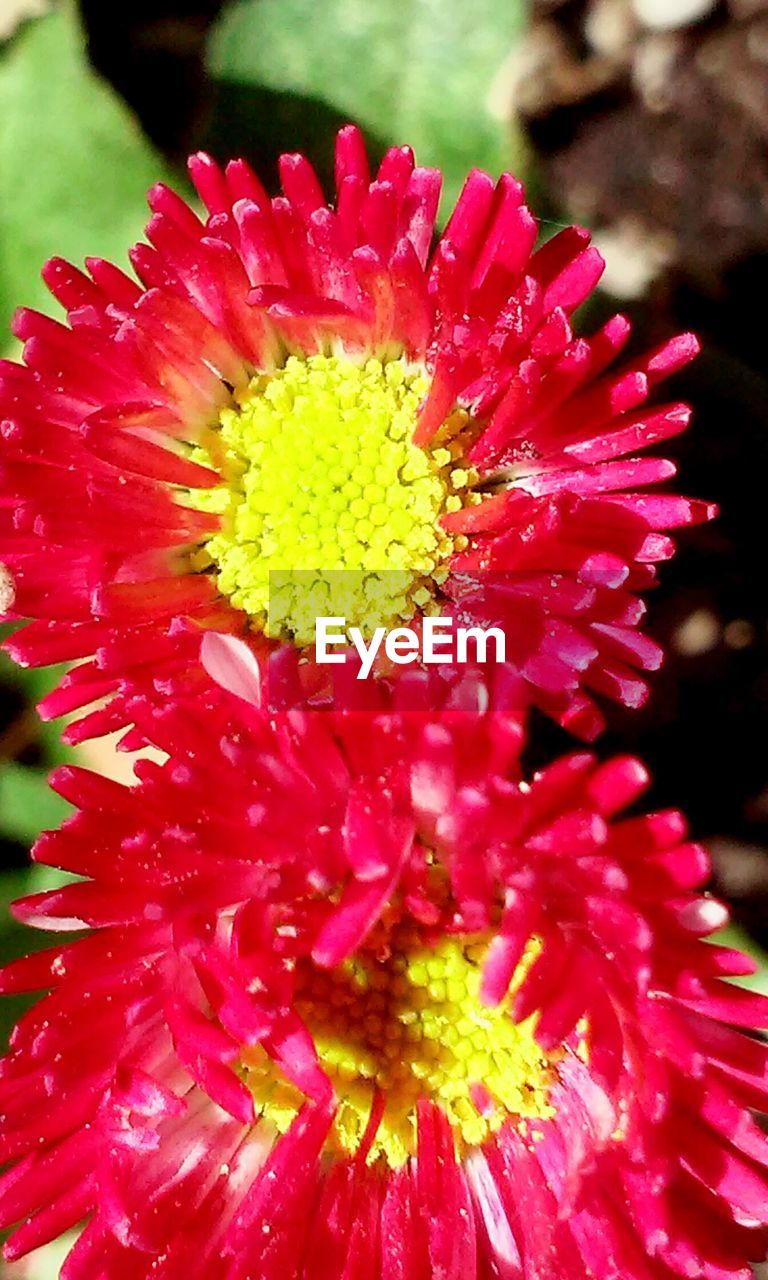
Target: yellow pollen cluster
328,507
411,1026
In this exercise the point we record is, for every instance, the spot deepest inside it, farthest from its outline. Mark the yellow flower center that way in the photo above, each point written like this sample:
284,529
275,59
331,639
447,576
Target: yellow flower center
409,1026
328,508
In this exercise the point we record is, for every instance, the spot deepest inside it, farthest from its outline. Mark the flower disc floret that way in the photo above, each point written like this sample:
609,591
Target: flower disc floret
327,505
403,1021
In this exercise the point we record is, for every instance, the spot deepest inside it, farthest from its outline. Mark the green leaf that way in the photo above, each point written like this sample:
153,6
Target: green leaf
27,804
74,166
18,939
33,682
31,685
734,936
408,71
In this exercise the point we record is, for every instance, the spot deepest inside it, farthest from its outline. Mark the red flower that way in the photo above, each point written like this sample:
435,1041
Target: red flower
305,390
354,1000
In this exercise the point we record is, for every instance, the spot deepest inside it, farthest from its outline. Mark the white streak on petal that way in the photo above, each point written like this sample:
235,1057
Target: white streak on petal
232,665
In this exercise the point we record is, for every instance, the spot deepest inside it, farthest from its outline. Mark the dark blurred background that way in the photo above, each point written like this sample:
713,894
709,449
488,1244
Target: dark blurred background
647,120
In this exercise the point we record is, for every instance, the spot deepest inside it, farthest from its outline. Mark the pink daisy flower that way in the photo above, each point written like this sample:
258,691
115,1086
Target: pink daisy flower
303,406
355,1004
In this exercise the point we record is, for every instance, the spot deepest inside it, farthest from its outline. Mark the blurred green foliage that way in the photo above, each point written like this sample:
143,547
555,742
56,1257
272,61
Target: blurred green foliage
415,71
74,164
18,939
734,936
27,804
